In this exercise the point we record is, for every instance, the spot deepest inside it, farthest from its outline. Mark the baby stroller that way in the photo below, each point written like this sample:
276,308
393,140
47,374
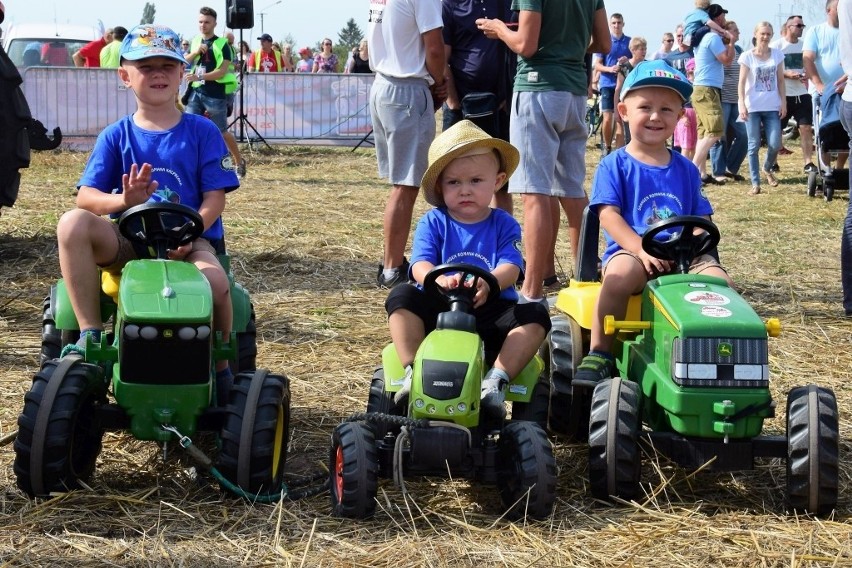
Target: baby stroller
831,140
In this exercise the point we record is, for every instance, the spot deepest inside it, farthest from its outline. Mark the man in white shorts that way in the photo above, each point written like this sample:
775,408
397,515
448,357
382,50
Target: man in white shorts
407,54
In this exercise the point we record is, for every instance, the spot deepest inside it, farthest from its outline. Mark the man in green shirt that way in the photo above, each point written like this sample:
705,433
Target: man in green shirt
109,54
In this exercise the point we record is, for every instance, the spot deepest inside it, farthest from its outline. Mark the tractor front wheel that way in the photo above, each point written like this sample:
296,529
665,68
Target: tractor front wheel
59,438
255,432
381,401
526,471
812,450
354,466
615,459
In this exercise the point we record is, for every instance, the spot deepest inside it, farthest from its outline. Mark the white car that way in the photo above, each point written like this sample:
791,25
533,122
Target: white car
30,45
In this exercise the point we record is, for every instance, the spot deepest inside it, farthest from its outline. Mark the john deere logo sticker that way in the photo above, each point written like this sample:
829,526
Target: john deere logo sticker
707,298
725,350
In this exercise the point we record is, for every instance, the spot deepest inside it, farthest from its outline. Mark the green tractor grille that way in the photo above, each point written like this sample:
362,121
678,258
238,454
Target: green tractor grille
721,362
165,355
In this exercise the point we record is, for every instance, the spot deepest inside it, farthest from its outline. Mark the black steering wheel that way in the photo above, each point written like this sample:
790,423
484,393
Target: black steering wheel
684,247
460,298
161,226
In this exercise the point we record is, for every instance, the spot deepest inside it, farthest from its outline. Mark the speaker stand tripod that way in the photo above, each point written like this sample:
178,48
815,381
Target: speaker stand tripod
242,118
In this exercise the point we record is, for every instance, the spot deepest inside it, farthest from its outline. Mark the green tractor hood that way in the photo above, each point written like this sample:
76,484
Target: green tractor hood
159,291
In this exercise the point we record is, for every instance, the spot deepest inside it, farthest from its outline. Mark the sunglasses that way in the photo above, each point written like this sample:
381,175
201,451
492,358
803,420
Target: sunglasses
327,43
669,41
800,26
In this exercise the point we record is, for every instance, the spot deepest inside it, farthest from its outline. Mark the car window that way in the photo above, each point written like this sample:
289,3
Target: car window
53,52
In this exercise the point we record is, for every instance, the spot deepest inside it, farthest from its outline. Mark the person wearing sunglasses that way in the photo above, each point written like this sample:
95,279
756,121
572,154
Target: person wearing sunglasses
665,48
799,104
325,61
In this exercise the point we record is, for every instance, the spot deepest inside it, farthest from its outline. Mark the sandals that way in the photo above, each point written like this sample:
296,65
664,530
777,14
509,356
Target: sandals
770,178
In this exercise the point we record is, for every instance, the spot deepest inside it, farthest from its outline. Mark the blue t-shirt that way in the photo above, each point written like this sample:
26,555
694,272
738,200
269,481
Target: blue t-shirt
824,41
187,160
620,47
709,71
694,20
647,194
440,239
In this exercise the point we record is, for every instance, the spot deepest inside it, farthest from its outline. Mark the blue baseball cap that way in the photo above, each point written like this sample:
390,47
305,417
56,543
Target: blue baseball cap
657,74
149,40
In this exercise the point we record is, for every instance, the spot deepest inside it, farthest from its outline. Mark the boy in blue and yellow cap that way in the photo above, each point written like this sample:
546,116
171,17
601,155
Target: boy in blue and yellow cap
637,186
156,154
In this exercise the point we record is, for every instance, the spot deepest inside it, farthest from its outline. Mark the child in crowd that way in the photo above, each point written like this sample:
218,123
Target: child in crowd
466,167
634,187
686,131
698,22
155,154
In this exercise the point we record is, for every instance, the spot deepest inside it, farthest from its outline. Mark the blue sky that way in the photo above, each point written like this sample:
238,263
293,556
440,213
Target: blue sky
308,23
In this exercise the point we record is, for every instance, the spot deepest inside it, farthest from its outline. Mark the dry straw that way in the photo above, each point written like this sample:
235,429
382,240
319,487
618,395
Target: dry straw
305,232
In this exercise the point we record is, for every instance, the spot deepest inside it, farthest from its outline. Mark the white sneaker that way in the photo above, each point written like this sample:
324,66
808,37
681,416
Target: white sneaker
493,395
403,392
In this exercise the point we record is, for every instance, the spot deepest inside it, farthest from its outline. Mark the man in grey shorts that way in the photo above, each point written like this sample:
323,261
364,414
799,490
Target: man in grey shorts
547,123
407,54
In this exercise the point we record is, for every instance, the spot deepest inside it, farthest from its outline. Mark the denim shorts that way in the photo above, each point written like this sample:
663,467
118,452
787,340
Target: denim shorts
217,109
607,99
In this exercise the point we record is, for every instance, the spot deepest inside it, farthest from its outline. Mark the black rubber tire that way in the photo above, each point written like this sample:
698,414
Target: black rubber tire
58,438
382,402
812,184
51,338
246,347
526,471
256,431
812,450
353,471
562,351
14,136
615,458
537,409
828,191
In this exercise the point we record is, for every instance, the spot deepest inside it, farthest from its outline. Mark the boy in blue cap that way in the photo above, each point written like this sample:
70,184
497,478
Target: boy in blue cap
637,186
155,154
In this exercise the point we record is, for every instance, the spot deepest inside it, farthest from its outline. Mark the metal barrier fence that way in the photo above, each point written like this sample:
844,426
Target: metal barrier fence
284,108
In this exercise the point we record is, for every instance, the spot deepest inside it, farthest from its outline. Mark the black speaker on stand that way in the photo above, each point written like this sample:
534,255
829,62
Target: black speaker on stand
239,15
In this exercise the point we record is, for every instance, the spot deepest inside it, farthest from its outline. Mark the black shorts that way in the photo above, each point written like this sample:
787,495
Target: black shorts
494,320
801,108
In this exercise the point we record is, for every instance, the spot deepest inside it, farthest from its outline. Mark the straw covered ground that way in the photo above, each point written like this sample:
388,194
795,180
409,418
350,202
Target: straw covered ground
305,234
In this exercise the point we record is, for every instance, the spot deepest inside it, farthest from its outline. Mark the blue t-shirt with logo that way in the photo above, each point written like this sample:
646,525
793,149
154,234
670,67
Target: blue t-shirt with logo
647,194
440,239
188,160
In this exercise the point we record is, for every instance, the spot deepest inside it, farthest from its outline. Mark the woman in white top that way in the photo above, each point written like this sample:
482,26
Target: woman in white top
762,101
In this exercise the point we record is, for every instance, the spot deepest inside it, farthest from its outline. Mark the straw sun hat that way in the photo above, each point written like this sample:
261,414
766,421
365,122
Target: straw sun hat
463,138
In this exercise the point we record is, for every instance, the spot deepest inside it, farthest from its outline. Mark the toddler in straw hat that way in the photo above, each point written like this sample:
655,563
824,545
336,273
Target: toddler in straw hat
466,167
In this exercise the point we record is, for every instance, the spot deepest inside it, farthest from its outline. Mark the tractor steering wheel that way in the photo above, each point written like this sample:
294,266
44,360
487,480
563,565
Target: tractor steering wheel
161,226
686,246
461,297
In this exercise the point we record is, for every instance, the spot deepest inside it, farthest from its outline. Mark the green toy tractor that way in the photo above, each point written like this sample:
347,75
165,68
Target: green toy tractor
440,430
692,378
153,371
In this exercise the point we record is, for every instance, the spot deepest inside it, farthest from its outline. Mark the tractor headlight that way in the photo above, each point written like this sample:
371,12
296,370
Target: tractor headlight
131,331
187,333
148,332
203,331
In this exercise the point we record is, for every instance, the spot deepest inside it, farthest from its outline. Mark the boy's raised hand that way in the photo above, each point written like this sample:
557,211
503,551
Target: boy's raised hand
137,186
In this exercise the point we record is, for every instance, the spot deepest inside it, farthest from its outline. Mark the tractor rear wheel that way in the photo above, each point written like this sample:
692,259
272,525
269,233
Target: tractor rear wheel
381,401
256,431
59,438
526,471
354,466
615,459
246,347
812,450
537,409
563,350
